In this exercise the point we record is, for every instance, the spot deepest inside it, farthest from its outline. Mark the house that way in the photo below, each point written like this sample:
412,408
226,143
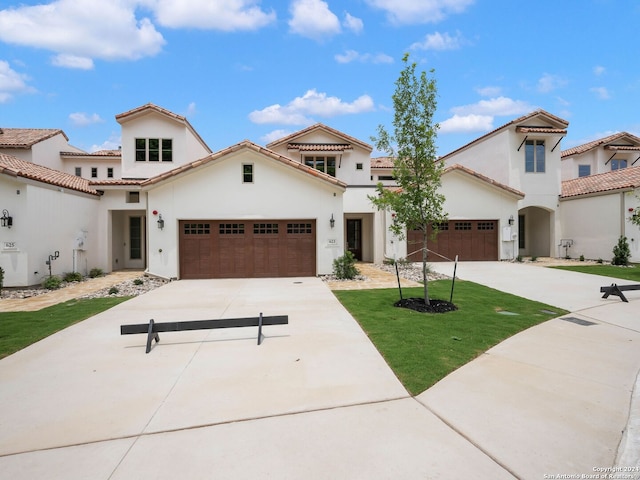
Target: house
165,203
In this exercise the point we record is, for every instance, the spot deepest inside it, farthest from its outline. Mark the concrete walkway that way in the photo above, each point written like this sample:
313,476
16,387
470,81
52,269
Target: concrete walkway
316,400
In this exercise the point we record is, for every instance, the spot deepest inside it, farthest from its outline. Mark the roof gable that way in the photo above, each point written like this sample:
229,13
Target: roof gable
622,179
612,142
15,167
244,145
346,140
538,121
27,137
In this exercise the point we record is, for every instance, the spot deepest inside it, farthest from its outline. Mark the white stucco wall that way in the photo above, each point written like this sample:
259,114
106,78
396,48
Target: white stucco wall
595,224
216,191
43,225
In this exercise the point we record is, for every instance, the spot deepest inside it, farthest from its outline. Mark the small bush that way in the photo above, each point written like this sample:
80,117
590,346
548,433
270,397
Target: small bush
72,277
113,291
621,252
138,281
599,261
582,258
391,261
52,283
533,258
96,272
519,259
344,267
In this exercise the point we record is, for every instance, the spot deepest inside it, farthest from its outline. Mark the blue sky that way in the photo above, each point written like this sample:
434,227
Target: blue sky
258,70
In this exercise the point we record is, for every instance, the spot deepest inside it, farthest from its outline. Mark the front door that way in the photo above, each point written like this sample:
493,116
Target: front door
354,237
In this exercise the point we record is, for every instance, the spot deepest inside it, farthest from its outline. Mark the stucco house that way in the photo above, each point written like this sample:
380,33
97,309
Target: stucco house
166,204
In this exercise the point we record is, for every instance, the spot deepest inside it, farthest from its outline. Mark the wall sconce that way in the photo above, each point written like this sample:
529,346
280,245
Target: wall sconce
160,222
6,220
511,220
332,221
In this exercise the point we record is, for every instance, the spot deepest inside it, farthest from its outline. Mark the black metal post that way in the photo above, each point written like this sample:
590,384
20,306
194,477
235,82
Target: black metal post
398,277
453,282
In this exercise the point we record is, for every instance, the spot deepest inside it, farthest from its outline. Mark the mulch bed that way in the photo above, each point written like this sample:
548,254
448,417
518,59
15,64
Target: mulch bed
435,306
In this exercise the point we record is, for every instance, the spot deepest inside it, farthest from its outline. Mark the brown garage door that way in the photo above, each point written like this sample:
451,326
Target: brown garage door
469,239
246,249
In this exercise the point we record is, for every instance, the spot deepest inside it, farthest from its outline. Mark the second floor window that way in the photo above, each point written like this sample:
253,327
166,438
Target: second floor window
154,150
534,156
324,164
94,172
617,164
584,170
109,172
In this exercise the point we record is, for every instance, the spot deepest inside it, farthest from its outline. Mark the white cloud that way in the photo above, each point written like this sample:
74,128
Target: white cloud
72,61
81,119
489,91
598,70
423,11
113,143
275,135
499,106
224,15
104,29
353,56
439,41
353,23
301,109
467,124
11,82
549,82
601,92
191,109
313,19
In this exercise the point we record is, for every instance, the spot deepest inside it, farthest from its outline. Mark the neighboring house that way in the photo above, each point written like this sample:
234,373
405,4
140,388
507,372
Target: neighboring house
165,203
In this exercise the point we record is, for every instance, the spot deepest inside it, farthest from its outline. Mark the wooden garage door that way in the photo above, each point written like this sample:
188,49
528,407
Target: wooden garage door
246,249
469,239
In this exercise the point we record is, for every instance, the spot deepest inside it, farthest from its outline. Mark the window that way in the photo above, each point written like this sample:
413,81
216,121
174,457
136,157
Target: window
293,228
135,238
197,228
154,149
386,177
358,166
133,197
78,171
265,228
534,156
486,225
462,226
584,170
109,172
94,172
441,226
324,164
247,173
231,229
617,164
521,231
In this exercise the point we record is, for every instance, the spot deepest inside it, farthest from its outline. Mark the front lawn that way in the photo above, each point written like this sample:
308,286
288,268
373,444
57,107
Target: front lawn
424,348
631,273
20,329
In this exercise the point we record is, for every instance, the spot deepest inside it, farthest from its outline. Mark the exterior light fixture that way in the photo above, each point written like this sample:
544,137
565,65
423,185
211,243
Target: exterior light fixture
6,220
160,222
332,221
511,220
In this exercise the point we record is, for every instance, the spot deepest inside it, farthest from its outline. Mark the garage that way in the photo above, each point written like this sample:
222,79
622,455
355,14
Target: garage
247,249
471,240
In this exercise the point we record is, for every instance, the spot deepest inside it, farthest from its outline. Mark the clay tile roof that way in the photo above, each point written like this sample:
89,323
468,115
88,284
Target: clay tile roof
557,131
382,162
319,147
116,182
319,126
246,144
10,165
99,153
26,137
585,147
479,176
623,179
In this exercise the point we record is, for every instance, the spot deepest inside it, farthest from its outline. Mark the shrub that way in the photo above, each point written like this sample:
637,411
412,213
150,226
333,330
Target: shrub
1,278
621,252
138,281
344,267
599,261
582,258
519,259
72,277
96,272
533,258
52,283
113,291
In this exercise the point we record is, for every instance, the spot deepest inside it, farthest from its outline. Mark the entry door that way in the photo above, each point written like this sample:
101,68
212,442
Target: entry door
354,237
136,253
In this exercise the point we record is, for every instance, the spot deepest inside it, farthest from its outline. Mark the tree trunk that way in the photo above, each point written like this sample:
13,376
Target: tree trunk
424,267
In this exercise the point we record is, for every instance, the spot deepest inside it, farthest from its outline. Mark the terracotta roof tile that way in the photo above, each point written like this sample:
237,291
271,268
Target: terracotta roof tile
616,137
10,165
319,126
116,182
623,179
99,153
382,162
239,146
557,131
320,147
26,137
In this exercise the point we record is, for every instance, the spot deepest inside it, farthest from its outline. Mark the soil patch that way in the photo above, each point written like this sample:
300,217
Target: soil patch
435,306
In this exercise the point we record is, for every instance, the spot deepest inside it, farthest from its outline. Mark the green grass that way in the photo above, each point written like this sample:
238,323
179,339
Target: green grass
631,273
20,329
424,348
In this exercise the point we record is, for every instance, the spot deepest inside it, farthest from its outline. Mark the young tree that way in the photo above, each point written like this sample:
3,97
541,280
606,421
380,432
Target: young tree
416,203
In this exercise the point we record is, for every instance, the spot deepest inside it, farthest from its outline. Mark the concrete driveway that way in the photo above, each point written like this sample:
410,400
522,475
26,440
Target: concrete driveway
315,400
